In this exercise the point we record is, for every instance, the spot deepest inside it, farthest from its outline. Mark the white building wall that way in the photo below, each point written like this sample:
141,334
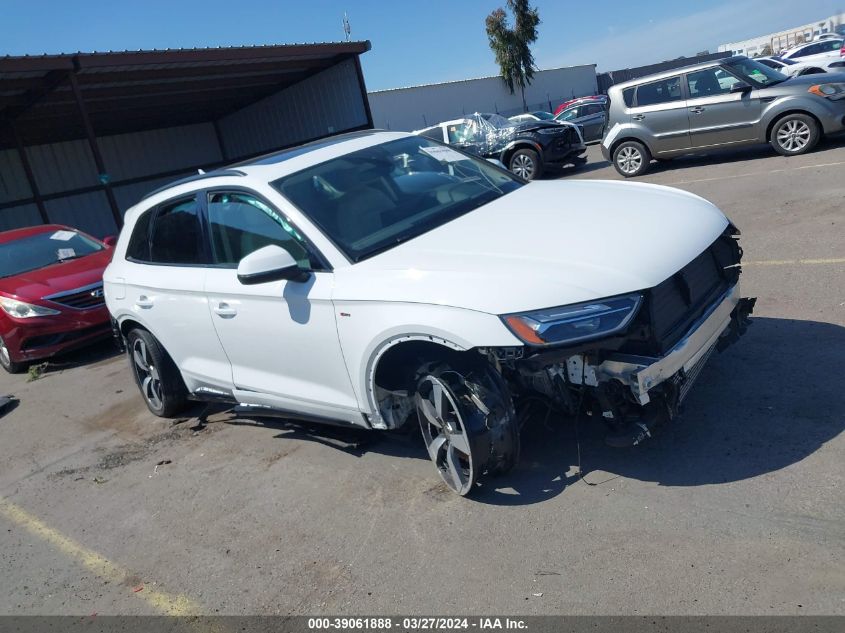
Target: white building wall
409,109
782,40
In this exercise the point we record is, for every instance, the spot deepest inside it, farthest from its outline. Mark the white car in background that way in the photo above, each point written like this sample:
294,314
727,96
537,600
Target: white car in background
816,52
792,68
380,279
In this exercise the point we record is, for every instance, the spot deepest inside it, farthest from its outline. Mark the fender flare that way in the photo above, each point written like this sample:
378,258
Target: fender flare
514,145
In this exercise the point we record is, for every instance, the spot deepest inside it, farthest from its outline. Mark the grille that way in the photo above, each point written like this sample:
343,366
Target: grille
672,306
48,340
85,298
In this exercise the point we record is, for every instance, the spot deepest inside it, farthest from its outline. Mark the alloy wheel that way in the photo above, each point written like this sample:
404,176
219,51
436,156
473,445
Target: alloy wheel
5,357
523,166
445,434
629,160
148,376
793,135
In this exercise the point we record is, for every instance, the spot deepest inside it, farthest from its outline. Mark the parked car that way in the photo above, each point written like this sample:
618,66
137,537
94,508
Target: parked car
51,293
589,114
728,102
527,149
568,103
816,52
791,68
379,279
526,117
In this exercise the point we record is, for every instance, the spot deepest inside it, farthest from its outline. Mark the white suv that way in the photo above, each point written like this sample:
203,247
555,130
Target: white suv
377,277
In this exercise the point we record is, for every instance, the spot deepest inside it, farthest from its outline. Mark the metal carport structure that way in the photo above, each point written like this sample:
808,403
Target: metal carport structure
83,136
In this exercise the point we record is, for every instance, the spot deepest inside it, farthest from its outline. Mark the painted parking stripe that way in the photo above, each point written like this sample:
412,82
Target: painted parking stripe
792,262
99,565
756,173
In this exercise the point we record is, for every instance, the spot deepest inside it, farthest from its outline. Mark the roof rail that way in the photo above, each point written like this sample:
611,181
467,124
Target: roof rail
194,178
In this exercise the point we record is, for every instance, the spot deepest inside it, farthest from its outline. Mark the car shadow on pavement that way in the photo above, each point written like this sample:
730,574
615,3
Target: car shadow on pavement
766,403
90,355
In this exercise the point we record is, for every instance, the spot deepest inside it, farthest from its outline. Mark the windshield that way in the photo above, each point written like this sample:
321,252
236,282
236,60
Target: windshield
37,251
755,73
371,200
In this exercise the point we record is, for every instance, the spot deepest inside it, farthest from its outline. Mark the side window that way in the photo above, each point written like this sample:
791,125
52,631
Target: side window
628,96
568,115
435,133
459,133
176,235
832,45
139,244
809,50
662,91
593,108
709,82
241,223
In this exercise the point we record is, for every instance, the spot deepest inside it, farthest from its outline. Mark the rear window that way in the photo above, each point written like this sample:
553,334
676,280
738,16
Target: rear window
628,96
139,244
663,91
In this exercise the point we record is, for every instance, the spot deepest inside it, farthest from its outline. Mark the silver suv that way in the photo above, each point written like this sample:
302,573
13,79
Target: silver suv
732,101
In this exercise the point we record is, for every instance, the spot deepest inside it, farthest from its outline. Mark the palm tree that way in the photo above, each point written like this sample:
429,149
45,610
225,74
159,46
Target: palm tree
511,46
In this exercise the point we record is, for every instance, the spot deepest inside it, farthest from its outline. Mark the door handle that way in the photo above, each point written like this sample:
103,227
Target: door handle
144,302
224,310
696,110
638,117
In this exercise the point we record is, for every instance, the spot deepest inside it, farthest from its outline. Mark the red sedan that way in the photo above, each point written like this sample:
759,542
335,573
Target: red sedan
51,292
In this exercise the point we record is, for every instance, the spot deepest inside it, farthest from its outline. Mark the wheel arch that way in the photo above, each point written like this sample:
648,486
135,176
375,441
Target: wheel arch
786,113
515,146
625,139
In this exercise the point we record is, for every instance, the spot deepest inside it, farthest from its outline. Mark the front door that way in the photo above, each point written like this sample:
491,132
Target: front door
280,336
660,111
718,116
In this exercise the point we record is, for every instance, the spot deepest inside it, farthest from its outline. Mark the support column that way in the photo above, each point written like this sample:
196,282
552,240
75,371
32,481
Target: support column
95,151
30,176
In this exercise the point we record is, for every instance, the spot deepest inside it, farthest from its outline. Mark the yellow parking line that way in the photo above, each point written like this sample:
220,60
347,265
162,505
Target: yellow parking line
789,262
756,173
94,562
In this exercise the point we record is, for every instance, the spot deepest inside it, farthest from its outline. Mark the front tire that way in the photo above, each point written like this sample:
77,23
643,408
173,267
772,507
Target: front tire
526,164
6,360
467,420
631,159
794,134
156,375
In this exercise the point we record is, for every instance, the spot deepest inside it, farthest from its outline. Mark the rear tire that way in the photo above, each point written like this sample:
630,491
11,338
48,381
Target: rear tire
467,420
526,164
6,360
631,159
156,375
794,134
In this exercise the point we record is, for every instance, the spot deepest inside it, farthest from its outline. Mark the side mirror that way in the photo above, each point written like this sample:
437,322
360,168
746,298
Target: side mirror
110,241
741,87
271,263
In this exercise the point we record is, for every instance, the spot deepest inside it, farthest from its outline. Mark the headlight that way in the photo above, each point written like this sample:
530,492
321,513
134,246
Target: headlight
550,130
833,91
574,323
21,310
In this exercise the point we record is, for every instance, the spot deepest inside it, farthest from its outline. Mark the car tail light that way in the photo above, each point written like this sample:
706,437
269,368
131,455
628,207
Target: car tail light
842,51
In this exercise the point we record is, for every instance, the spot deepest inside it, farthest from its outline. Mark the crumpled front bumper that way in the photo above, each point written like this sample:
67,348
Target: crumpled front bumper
724,322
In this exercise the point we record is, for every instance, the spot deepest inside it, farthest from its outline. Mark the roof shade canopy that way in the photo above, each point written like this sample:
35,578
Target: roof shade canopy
132,91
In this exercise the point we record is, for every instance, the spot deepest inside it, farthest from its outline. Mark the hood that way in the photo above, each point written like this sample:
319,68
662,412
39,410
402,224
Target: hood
76,273
544,245
528,126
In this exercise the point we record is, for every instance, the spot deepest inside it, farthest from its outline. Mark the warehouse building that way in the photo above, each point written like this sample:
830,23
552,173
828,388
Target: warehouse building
409,109
84,136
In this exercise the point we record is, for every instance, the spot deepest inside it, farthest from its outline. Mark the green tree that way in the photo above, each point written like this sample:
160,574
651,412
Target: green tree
767,51
512,46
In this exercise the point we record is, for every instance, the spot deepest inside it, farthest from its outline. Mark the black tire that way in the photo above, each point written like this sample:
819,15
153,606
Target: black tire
526,164
474,432
794,134
156,375
7,363
631,159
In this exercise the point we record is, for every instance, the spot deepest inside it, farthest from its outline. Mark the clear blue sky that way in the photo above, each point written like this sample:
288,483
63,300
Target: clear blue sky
413,41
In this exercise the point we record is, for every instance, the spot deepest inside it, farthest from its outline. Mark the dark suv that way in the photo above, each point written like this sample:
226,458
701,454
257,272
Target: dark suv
525,148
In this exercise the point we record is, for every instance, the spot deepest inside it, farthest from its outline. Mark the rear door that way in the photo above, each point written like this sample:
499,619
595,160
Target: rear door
592,120
168,258
716,115
660,112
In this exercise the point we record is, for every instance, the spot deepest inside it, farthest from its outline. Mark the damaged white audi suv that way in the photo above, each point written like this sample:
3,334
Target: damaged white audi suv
380,279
